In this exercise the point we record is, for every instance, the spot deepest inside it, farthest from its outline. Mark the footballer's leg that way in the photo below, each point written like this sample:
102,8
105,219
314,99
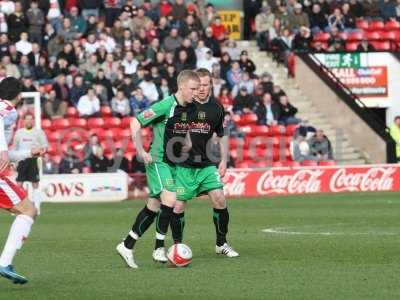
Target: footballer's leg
25,213
143,221
178,221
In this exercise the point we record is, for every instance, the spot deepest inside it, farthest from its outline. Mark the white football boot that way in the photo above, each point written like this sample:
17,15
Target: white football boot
159,255
227,250
127,255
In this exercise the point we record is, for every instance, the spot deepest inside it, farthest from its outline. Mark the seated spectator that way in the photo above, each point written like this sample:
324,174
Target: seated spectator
207,62
78,22
320,146
129,63
395,133
336,42
101,93
298,18
61,88
127,86
218,29
266,82
231,127
182,62
268,112
225,65
191,53
201,50
264,22
67,32
137,165
246,82
302,40
244,102
356,8
232,49
149,88
211,43
300,149
101,79
234,75
365,46
49,166
120,162
27,85
164,88
91,147
78,90
41,72
23,45
120,105
246,64
348,17
387,9
336,20
70,163
25,68
318,20
54,107
288,111
98,162
89,104
138,102
277,92
172,41
110,67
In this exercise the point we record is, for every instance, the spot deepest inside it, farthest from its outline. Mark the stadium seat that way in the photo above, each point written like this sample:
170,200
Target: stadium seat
259,130
46,124
111,122
95,123
77,123
60,124
97,131
291,129
322,37
392,25
309,163
79,136
235,143
54,136
344,36
389,35
56,159
327,163
263,164
247,119
290,163
122,134
52,148
376,25
362,24
381,46
105,111
351,46
72,112
355,36
278,130
373,36
126,122
243,164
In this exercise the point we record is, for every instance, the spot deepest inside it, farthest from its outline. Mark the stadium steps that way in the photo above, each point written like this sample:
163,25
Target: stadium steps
344,152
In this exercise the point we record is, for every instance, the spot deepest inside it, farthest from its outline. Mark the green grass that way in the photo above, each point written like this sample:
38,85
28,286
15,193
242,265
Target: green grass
70,253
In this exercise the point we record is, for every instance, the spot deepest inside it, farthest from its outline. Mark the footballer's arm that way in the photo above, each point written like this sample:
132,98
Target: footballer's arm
137,139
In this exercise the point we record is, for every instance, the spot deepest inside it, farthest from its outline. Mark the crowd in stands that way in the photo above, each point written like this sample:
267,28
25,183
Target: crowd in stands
89,56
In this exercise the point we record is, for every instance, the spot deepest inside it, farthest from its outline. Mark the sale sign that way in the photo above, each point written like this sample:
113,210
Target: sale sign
364,81
308,180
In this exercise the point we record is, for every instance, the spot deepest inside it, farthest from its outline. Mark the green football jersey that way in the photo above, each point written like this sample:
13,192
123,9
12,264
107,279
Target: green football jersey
170,122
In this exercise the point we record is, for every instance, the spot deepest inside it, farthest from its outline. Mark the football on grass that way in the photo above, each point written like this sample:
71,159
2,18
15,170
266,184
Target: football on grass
179,255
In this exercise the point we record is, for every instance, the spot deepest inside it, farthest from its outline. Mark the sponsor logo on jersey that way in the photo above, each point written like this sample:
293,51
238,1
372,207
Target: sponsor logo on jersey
201,115
148,114
200,127
184,116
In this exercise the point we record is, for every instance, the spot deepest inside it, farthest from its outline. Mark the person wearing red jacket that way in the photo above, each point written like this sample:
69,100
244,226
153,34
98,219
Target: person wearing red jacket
219,30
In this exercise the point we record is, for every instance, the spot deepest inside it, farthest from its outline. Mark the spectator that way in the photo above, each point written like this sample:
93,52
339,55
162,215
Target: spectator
349,18
336,20
246,82
356,8
67,32
243,103
78,90
234,75
138,102
36,20
298,18
300,149
232,49
268,113
7,7
246,64
91,147
110,67
70,163
61,88
318,20
120,105
35,54
54,107
101,79
395,133
302,40
365,46
25,69
90,8
17,22
277,92
49,166
320,146
98,162
225,65
42,72
89,104
207,62
264,22
120,162
387,9
288,111
266,82
149,89
336,42
78,22
27,85
225,98
129,63
113,10
164,88
219,30
208,15
250,9
172,41
231,127
127,86
54,14
191,54
211,43
23,45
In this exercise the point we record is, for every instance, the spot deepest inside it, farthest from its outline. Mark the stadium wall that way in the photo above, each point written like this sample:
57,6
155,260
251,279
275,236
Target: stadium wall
339,114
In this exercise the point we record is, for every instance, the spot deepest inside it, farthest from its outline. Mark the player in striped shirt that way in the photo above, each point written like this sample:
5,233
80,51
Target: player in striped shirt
12,197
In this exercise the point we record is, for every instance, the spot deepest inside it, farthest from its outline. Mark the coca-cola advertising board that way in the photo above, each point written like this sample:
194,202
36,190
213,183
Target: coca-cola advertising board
307,180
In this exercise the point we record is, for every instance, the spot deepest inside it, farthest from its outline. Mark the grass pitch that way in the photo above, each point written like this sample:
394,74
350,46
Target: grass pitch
316,247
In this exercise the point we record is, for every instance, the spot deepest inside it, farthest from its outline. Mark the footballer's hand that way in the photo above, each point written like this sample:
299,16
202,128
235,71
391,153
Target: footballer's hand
222,168
37,151
146,157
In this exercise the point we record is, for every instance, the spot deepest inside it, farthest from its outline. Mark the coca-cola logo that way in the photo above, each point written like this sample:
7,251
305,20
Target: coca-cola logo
375,179
234,183
302,181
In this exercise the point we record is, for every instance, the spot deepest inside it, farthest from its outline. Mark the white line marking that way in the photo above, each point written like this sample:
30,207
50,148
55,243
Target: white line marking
283,231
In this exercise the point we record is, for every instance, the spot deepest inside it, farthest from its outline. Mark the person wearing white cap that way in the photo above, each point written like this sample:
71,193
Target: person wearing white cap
298,18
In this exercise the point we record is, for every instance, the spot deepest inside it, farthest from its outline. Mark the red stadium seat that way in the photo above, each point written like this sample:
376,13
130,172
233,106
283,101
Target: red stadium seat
126,122
263,164
122,134
278,130
46,124
309,163
362,24
112,122
322,37
52,148
78,123
344,36
381,46
235,143
54,136
373,36
351,46
105,111
58,124
327,163
291,129
289,163
96,131
72,112
247,119
355,36
243,164
56,158
376,25
95,123
389,35
259,130
392,25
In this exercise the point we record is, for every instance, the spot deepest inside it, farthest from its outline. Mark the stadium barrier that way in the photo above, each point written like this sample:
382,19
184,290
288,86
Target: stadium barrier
97,187
307,180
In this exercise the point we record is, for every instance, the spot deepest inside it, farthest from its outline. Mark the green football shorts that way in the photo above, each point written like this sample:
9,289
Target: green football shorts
191,182
160,176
